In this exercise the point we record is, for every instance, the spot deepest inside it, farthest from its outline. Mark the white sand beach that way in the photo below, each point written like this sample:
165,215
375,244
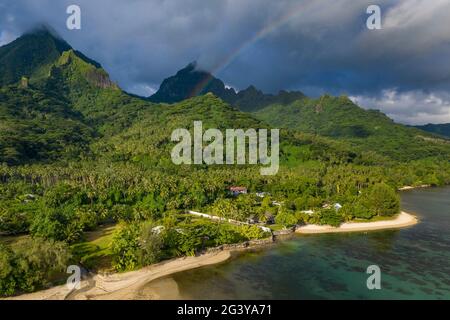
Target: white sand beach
402,220
129,285
405,188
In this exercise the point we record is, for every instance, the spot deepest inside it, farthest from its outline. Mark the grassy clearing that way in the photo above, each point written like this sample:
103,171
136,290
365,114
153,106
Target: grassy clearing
95,251
275,227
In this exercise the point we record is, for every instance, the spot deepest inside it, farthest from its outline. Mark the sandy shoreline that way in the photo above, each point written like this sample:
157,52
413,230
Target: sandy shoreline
129,285
403,220
136,284
405,188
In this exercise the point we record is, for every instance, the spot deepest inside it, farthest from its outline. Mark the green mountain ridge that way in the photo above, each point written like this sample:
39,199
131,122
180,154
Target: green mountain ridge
32,55
366,130
439,129
55,91
190,82
334,117
148,139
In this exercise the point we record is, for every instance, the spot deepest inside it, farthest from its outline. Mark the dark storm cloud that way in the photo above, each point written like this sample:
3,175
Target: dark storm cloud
314,46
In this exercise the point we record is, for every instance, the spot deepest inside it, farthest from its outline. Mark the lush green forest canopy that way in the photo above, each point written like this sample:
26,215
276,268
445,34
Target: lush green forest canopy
77,153
365,130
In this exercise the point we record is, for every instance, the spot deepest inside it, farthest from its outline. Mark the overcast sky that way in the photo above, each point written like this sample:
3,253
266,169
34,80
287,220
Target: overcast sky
308,45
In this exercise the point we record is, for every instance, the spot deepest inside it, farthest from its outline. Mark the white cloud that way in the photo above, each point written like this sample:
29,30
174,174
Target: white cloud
6,37
142,89
413,107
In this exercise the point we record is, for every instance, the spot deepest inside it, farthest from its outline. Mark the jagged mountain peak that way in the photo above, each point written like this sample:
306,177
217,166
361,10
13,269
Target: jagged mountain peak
47,35
31,55
43,29
251,88
191,67
190,81
36,53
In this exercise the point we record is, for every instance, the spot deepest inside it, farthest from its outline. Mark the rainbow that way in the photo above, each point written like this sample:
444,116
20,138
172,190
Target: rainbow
255,38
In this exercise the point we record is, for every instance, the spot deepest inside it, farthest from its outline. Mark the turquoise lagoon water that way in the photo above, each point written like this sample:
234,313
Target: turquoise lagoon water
414,262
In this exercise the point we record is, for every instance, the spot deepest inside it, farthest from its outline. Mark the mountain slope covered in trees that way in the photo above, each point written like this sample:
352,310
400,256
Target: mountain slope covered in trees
440,129
366,130
54,102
